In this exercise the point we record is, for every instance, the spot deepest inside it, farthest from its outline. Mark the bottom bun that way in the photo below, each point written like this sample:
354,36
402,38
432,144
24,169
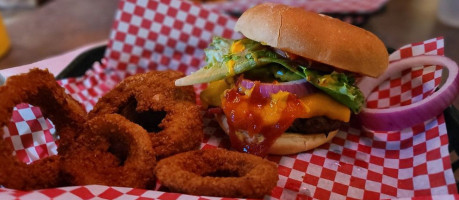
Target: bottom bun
289,143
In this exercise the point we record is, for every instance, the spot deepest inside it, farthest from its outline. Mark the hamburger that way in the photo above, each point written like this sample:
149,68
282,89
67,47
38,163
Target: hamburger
289,84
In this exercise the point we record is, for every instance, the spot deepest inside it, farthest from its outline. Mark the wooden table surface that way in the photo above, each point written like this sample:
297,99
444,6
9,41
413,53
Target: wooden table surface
56,27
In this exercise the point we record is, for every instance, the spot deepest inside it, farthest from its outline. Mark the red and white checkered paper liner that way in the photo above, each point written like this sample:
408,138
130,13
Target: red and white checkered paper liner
171,34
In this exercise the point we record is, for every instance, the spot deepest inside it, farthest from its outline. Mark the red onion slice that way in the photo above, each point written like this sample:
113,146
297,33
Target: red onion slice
299,87
397,118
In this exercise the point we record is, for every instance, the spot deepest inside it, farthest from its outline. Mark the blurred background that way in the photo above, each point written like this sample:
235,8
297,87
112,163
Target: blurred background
39,29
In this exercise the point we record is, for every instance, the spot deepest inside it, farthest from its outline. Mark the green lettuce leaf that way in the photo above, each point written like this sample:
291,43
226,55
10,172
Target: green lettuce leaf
339,86
217,57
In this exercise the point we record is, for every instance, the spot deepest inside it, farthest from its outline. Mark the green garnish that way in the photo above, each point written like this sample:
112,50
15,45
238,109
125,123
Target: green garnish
251,55
339,86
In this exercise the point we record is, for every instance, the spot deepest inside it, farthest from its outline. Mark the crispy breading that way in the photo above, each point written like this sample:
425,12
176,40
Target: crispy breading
169,113
111,151
39,88
218,172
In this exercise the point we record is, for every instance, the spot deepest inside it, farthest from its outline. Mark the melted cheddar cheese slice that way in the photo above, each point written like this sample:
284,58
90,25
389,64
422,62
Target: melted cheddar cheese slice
320,104
317,104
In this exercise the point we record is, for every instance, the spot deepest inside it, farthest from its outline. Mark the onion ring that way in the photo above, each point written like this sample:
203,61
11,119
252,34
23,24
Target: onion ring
218,172
167,112
397,118
39,88
112,151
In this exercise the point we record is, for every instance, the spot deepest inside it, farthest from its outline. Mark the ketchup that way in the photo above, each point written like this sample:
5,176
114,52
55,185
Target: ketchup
246,111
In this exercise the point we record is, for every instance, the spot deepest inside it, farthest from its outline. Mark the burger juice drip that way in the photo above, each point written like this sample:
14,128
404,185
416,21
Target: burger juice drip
255,122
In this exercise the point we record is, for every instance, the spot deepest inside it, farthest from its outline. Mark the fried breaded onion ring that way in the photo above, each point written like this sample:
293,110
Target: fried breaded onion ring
167,112
218,172
112,151
39,88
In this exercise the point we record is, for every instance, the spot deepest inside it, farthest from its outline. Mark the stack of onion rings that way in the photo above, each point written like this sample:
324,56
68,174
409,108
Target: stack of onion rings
167,112
143,118
39,88
218,172
111,151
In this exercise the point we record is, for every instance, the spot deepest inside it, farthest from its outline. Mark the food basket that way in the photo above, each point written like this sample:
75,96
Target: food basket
412,163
